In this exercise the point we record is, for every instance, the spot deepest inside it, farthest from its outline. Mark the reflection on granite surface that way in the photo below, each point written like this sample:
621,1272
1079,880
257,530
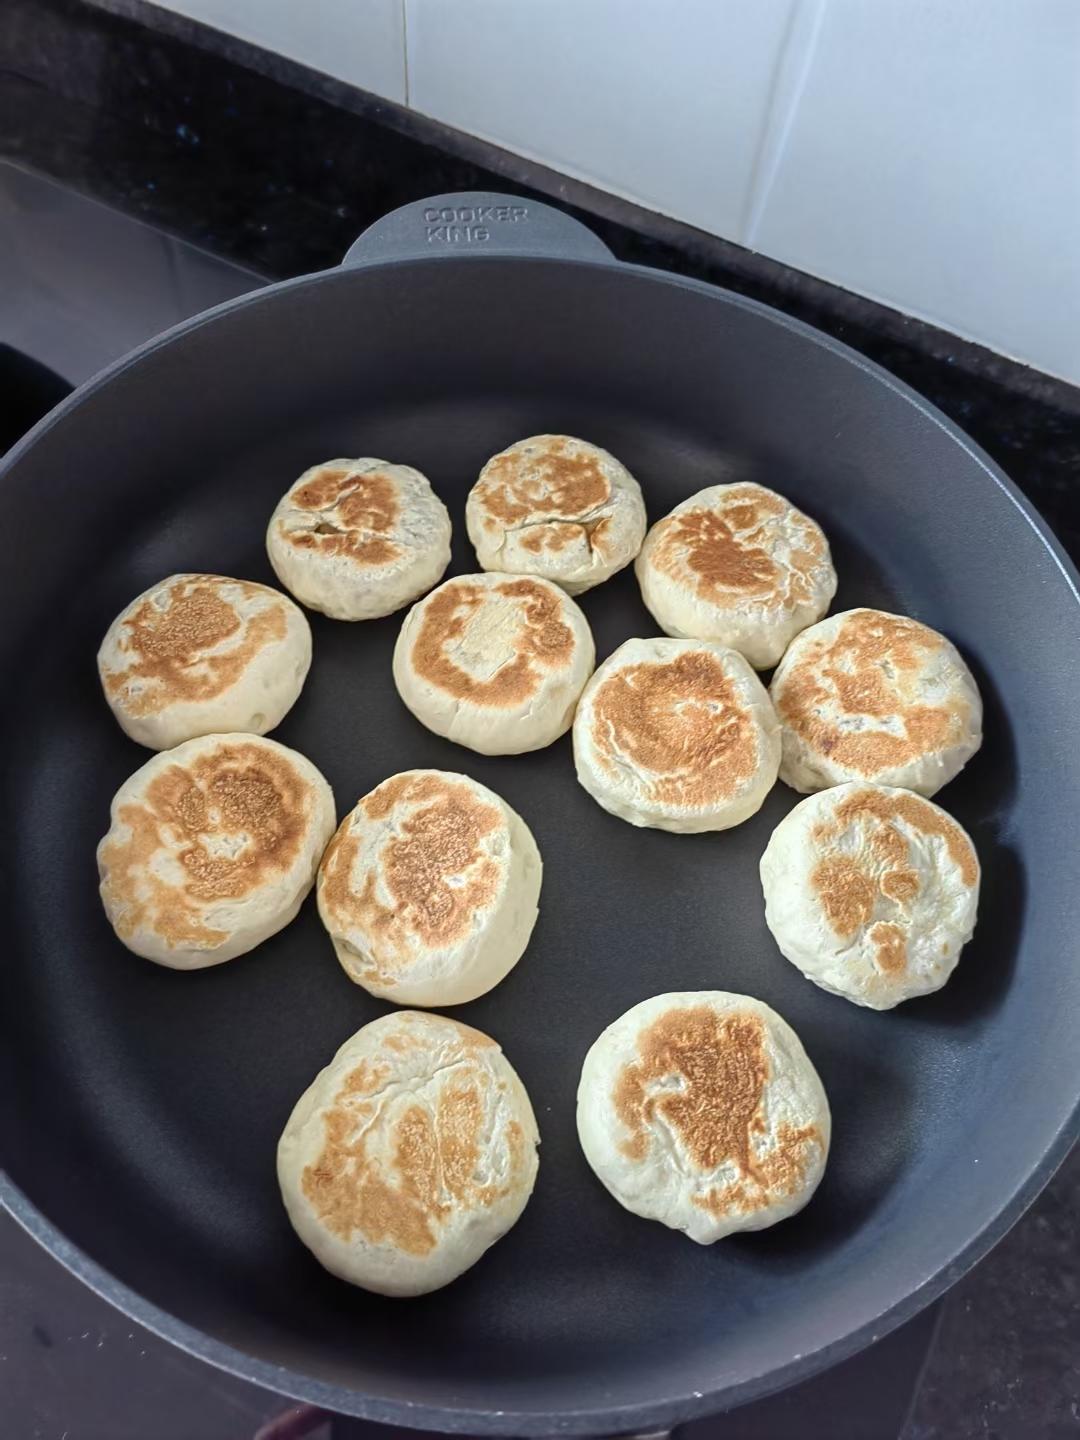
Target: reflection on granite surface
261,162
1006,1363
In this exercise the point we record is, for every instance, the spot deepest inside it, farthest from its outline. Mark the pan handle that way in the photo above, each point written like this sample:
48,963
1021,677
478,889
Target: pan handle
475,222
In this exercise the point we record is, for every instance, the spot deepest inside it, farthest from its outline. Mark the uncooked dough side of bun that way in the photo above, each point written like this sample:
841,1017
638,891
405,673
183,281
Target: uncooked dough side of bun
203,655
866,695
871,892
429,889
212,848
738,564
702,1110
559,507
409,1155
677,734
494,662
359,539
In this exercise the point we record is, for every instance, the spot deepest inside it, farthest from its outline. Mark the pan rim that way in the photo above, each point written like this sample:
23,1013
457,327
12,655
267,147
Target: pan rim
651,1414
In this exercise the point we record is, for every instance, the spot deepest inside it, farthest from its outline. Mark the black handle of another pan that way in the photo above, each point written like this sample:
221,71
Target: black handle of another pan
475,222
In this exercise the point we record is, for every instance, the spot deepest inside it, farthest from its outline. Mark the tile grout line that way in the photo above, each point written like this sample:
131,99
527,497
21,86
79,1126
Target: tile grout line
797,50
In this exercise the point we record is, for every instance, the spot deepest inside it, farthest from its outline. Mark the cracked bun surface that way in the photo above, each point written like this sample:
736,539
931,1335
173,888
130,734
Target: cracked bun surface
558,507
203,655
409,1155
866,695
358,539
700,1109
494,662
212,848
738,564
871,892
677,734
429,889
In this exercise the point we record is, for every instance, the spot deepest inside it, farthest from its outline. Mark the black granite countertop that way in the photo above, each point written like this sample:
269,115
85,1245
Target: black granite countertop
264,163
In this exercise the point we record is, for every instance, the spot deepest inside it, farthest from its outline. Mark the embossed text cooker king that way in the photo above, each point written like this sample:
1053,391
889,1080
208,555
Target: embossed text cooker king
141,1107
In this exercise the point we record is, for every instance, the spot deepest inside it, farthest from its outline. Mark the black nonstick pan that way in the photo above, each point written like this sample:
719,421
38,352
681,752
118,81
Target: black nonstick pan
141,1107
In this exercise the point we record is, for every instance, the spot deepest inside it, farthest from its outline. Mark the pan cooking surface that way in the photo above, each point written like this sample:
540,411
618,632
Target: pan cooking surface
150,1102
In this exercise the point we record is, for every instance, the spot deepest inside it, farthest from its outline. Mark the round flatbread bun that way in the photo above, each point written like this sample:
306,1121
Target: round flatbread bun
429,889
558,507
357,539
494,662
869,696
677,734
871,892
702,1110
738,564
204,655
212,848
409,1155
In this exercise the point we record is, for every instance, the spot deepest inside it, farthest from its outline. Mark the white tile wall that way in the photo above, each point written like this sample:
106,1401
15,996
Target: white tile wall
663,101
360,41
933,161
923,152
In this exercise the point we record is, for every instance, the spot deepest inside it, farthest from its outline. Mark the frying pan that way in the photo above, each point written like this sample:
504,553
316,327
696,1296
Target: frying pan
141,1107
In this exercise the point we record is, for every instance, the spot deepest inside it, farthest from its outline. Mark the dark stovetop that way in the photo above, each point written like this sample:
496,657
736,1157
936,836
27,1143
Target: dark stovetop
277,169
